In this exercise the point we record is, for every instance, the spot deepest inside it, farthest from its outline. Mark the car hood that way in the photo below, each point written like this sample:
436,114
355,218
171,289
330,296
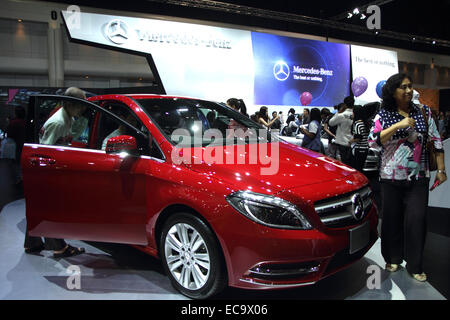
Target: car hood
290,167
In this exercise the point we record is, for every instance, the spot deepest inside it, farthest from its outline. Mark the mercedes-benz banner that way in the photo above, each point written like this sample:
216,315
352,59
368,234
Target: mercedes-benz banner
286,68
218,63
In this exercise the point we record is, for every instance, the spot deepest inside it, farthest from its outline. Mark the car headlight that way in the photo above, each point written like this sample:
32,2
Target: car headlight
268,210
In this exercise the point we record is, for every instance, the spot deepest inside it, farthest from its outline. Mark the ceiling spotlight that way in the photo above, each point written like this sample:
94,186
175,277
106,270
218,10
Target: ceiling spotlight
434,42
376,32
363,16
349,15
356,11
19,20
414,39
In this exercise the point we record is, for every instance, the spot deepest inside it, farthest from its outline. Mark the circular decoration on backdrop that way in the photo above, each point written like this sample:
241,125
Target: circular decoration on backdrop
305,98
379,87
359,86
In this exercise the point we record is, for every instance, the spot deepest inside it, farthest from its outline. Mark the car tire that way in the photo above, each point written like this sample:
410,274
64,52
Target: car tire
191,256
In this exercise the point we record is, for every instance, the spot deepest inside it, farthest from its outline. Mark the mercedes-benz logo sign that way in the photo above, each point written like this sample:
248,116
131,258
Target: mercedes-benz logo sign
117,31
281,71
357,206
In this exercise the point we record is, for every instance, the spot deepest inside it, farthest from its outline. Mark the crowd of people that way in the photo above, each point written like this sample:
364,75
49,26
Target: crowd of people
443,123
346,129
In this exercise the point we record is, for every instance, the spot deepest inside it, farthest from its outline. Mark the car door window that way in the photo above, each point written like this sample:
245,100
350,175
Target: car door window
109,126
62,121
67,121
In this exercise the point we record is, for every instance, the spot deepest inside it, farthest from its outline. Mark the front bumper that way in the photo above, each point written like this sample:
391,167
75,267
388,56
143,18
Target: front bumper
260,257
328,256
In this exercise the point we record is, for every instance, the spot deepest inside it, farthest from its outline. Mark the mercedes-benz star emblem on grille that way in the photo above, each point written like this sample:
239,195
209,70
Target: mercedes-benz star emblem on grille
357,206
281,71
117,31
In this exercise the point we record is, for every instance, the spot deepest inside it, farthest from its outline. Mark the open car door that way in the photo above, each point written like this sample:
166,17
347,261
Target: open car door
75,190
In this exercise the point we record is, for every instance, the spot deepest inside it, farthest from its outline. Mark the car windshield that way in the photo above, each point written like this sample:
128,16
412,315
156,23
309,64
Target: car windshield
191,123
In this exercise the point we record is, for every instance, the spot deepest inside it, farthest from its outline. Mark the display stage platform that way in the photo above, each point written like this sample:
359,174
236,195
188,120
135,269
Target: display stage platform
114,271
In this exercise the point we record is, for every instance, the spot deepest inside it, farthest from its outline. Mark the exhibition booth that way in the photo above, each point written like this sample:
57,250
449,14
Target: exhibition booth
193,65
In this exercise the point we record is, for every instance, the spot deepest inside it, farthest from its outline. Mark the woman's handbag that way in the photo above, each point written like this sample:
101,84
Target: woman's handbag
430,145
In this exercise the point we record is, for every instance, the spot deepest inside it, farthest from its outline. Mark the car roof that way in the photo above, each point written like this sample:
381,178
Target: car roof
157,96
138,96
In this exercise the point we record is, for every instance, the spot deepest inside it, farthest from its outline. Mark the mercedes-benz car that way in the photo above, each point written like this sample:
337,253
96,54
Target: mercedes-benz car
371,165
216,197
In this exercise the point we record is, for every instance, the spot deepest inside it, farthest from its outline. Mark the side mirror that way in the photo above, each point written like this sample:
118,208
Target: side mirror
122,144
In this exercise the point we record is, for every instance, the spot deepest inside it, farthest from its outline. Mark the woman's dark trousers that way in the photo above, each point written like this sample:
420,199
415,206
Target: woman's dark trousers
403,226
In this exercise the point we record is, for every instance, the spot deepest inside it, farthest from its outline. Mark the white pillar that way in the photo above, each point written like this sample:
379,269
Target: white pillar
55,55
59,55
51,57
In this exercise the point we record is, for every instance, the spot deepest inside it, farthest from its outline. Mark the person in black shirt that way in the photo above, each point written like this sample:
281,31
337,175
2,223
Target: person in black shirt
277,124
306,116
288,129
291,116
331,132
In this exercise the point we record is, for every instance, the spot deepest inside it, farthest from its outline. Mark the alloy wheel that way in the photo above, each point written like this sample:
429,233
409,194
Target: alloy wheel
187,256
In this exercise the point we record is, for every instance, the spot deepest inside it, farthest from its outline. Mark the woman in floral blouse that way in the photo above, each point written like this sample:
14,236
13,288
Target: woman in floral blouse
400,128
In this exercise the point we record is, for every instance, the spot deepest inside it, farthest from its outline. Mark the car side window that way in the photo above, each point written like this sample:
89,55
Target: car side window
63,122
109,127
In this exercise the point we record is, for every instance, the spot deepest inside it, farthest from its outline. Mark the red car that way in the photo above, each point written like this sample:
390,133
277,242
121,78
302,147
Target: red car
164,175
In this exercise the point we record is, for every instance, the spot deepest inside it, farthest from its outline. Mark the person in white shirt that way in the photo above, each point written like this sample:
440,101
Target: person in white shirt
281,117
57,130
343,119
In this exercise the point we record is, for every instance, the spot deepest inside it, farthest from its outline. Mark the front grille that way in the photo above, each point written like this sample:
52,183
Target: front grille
336,212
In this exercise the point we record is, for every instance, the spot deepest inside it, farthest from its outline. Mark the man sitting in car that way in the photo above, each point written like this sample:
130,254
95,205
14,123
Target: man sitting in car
122,129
